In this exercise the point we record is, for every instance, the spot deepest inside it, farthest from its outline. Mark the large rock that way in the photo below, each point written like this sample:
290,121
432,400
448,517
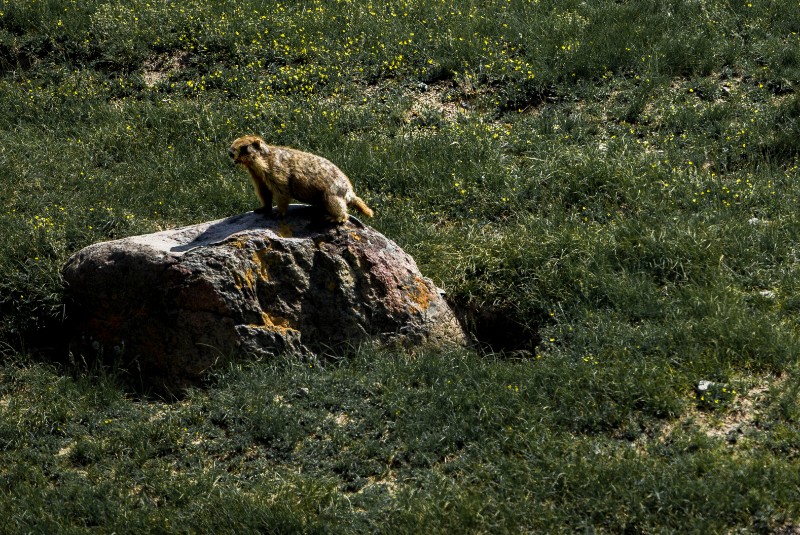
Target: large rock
178,302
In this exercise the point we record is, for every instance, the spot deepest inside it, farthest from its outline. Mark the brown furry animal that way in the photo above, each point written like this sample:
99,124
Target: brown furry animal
283,174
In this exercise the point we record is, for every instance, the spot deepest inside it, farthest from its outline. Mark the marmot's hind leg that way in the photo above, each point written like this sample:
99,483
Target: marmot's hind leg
282,203
336,208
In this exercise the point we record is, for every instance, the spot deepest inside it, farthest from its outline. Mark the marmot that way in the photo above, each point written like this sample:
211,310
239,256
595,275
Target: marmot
283,173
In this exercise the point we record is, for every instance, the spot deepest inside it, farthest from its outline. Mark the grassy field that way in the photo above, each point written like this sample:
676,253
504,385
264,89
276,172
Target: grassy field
608,192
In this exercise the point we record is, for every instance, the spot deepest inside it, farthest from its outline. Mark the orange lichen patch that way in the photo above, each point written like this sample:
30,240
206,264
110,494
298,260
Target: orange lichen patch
356,236
258,270
247,278
420,294
250,275
238,243
284,230
274,323
261,261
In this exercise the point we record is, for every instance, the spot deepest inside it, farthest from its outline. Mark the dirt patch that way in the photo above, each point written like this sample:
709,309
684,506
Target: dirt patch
436,99
160,67
386,484
730,424
739,418
342,419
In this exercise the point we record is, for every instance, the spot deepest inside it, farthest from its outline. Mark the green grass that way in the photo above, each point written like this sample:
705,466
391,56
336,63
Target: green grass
449,441
607,191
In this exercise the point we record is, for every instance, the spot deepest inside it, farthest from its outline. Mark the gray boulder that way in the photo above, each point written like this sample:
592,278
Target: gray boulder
176,303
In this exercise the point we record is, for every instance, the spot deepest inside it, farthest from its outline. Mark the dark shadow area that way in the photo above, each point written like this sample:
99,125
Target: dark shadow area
492,329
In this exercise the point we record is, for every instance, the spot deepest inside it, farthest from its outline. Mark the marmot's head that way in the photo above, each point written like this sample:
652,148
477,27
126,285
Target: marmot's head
243,149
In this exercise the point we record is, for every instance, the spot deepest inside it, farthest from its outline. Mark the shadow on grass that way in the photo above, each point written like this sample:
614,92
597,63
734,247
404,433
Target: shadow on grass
493,329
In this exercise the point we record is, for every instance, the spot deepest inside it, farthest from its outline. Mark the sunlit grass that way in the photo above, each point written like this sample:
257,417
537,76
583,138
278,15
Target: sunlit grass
606,191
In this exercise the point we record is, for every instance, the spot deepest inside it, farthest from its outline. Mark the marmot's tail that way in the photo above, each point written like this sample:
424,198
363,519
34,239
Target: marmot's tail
361,206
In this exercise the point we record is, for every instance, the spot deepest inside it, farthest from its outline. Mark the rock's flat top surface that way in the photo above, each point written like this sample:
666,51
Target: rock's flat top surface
184,239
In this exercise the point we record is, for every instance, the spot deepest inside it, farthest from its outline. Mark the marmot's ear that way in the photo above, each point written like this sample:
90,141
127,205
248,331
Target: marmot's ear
260,146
